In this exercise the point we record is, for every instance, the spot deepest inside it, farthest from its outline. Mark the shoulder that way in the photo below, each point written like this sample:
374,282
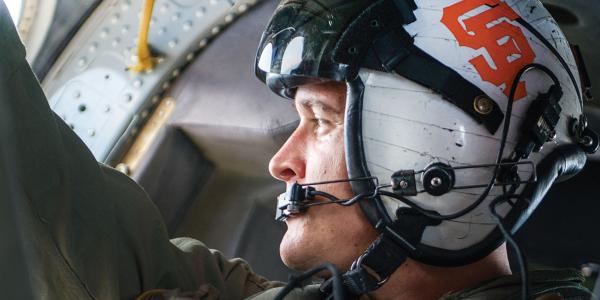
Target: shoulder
12,52
309,292
562,283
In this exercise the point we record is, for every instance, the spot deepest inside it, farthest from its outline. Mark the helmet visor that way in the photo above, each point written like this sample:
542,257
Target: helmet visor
300,39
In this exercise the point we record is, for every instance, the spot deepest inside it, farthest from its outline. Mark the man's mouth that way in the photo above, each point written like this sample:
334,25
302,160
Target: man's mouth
292,216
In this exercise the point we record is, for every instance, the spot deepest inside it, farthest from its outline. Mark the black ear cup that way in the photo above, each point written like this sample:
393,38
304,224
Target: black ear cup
438,179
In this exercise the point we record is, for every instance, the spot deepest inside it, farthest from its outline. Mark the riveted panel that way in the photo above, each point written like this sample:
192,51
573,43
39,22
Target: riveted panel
90,86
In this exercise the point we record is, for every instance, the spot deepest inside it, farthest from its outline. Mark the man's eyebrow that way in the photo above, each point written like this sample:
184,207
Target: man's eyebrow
315,103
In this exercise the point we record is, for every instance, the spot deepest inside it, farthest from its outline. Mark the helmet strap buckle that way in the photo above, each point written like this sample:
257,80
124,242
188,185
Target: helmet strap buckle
373,268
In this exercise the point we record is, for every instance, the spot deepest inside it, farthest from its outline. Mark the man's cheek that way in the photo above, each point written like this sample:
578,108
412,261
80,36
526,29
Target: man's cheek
326,167
331,152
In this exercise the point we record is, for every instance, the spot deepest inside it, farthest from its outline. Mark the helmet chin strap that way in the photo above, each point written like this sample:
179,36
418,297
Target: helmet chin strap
373,268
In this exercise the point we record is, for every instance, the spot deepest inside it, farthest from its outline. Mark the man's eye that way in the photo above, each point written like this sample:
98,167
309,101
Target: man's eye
322,122
322,126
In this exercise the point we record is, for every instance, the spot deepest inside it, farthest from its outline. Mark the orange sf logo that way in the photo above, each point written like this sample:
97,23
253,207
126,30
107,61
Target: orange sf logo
489,30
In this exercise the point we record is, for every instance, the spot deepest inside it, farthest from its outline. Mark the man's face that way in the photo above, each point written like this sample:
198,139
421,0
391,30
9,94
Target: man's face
315,152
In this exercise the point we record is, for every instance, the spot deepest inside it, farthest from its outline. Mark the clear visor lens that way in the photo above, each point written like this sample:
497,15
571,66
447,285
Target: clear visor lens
301,37
291,60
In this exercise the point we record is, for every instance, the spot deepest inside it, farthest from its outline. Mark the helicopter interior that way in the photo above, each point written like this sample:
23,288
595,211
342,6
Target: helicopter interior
197,131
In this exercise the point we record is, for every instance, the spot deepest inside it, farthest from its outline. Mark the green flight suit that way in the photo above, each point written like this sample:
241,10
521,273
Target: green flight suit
76,229
87,231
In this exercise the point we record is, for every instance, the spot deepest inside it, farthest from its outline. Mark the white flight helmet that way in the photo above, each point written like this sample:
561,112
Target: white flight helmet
432,107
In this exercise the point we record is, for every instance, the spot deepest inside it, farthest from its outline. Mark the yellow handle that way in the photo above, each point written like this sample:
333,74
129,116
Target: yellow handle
145,60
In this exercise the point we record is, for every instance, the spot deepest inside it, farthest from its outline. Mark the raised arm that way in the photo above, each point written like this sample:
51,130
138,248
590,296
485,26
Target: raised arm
81,230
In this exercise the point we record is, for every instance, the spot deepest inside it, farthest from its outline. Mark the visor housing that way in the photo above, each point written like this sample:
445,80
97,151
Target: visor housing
298,44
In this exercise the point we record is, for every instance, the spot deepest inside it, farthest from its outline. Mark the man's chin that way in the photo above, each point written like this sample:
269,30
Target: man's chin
295,253
301,264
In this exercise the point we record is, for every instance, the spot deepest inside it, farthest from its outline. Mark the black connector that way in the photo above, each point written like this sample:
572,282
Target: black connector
404,183
540,122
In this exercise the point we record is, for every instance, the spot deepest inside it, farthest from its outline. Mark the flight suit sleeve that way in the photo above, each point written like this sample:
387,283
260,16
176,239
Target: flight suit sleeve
85,230
225,278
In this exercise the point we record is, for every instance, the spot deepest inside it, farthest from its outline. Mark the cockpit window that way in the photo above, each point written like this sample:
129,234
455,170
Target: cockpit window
15,7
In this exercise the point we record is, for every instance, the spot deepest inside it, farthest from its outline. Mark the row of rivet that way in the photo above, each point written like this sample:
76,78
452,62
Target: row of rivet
138,82
186,26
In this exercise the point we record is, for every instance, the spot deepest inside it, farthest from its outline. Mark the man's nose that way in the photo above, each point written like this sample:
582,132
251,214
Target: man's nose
289,163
